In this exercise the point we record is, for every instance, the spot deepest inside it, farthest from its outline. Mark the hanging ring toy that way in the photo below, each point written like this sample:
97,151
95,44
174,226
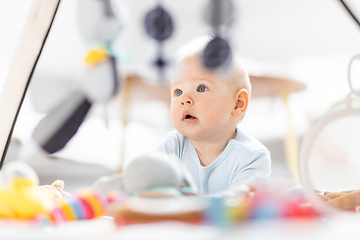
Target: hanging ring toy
354,91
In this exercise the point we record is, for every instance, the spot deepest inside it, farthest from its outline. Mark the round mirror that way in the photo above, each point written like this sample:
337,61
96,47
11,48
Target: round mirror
329,160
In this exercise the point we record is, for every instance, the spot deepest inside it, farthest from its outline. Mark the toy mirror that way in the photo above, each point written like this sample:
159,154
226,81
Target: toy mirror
329,161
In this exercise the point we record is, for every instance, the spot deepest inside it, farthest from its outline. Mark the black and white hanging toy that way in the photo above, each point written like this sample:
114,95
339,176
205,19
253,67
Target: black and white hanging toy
100,22
159,26
219,15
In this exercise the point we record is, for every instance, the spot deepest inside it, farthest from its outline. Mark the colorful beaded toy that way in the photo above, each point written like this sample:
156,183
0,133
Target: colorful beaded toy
85,204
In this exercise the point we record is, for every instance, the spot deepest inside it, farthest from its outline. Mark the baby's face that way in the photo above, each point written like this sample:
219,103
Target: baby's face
201,103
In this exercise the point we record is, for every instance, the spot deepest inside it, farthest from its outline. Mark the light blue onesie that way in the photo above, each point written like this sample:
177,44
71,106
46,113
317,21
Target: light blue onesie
243,159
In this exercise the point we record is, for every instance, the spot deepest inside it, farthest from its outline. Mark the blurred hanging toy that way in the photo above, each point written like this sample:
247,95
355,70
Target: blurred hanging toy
219,15
22,198
159,26
100,22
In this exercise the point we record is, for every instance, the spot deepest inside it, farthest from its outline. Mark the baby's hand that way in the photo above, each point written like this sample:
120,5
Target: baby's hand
56,190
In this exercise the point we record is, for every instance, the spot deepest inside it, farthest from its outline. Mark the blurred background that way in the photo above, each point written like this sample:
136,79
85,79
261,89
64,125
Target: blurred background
308,42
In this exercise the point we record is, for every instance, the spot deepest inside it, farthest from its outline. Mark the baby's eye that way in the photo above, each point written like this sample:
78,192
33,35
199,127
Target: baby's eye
178,92
201,88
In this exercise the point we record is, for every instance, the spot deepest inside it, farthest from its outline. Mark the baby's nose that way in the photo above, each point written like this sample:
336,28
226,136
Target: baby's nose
187,100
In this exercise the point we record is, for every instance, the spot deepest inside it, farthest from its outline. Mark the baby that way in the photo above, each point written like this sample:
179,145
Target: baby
206,109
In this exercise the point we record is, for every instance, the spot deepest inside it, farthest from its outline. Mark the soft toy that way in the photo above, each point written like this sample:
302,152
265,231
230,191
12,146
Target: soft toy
151,175
55,190
22,198
19,196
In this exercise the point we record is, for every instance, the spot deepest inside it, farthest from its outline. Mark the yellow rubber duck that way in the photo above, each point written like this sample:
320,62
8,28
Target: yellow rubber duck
20,197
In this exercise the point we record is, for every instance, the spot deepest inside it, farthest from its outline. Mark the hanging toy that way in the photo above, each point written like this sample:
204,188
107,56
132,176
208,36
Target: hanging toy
100,22
159,26
219,15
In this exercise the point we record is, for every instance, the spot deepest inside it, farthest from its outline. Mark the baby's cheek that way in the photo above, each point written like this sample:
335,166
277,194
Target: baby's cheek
220,108
214,118
218,114
174,115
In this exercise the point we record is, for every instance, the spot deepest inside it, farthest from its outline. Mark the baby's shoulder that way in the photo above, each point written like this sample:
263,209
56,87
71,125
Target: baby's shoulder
245,140
175,136
174,139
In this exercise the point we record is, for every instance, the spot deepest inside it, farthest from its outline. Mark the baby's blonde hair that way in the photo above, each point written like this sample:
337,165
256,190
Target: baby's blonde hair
195,48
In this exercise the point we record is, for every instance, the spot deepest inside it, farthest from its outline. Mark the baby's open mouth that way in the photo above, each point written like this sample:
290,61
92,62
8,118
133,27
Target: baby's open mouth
188,116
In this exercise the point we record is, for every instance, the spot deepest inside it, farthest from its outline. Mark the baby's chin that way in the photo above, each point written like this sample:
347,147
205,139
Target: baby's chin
194,134
205,134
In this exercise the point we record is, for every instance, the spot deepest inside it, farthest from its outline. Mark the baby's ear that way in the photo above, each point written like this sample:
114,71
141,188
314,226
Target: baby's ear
241,103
